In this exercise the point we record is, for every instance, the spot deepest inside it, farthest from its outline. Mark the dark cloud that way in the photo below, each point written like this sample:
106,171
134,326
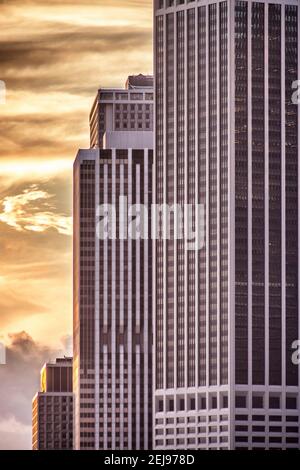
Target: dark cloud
30,133
54,48
19,381
66,60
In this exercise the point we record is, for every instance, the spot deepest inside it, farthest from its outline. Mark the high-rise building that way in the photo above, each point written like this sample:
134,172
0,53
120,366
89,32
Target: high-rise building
123,117
52,408
112,301
227,137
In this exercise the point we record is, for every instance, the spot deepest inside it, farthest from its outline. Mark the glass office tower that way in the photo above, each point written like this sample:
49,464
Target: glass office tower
113,337
227,137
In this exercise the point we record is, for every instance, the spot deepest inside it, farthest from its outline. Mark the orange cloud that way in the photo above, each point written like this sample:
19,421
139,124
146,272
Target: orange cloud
54,56
20,213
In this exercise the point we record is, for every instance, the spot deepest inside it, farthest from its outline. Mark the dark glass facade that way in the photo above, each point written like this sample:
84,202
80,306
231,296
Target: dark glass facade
292,189
213,195
52,407
52,422
275,204
202,188
169,165
241,192
224,316
191,194
258,192
234,149
159,180
86,263
181,171
191,60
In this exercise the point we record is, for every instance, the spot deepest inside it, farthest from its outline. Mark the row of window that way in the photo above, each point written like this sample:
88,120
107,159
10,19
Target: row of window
260,401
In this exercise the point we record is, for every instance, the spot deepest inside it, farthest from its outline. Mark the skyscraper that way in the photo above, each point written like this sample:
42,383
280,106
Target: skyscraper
227,137
112,297
52,408
123,117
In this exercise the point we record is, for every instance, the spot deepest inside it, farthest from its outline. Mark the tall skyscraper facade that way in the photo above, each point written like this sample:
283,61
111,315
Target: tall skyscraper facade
227,137
52,408
112,302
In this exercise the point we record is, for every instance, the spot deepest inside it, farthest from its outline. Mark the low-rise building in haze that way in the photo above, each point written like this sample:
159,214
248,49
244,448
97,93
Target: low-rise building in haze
52,407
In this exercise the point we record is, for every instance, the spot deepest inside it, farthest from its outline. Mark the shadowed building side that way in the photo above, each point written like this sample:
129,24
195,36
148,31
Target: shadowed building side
52,408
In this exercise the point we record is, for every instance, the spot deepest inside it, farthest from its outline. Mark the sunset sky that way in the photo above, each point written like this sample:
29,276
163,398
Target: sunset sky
53,57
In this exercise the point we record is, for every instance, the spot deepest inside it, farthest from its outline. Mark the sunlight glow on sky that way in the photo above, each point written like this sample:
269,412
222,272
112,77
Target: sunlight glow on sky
54,57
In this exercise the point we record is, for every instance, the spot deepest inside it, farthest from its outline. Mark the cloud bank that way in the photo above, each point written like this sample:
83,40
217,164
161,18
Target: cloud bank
19,381
54,56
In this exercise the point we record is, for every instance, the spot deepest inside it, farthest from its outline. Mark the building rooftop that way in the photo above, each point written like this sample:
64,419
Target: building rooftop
64,359
139,81
59,361
133,82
